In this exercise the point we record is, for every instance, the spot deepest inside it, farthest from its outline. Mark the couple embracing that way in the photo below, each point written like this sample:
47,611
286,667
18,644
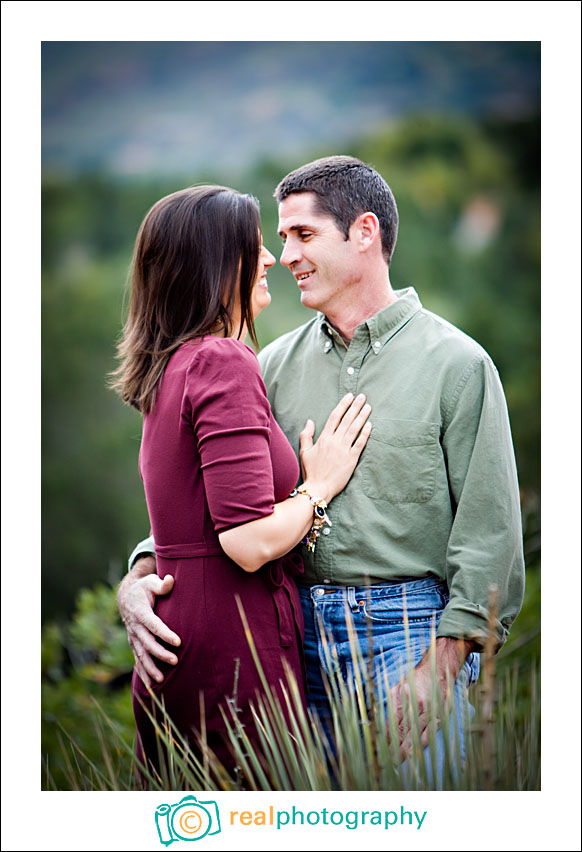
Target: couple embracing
363,463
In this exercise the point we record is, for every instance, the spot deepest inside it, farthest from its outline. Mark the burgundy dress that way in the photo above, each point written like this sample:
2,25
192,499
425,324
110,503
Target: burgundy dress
212,457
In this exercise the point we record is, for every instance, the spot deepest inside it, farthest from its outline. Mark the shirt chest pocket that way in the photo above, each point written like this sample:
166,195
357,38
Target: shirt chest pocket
400,461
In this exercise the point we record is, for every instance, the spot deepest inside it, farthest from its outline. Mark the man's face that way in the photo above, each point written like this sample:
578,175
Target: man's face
324,264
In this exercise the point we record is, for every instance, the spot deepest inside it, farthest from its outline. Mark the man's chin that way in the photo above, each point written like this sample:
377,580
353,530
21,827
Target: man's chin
308,300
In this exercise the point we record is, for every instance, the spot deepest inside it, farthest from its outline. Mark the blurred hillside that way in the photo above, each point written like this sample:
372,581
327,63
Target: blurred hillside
135,109
468,196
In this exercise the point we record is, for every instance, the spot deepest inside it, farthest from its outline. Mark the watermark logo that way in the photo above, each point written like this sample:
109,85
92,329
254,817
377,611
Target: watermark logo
188,819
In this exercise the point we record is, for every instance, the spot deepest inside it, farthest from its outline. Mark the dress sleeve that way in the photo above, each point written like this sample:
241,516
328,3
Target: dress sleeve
485,545
226,403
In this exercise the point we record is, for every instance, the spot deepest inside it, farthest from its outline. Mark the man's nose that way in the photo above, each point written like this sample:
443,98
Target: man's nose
291,253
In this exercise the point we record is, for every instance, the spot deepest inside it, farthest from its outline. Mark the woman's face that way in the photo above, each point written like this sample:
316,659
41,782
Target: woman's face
260,296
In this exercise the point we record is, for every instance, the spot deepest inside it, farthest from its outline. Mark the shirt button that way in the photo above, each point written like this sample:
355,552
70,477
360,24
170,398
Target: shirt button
377,344
326,581
351,371
319,592
326,530
327,347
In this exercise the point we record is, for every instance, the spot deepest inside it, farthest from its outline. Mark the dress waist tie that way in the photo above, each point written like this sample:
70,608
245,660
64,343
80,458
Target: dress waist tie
188,551
277,575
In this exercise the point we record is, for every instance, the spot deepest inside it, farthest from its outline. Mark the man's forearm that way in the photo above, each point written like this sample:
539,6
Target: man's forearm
143,548
142,566
450,657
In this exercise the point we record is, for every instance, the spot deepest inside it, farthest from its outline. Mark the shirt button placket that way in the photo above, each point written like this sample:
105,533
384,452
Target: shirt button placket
351,379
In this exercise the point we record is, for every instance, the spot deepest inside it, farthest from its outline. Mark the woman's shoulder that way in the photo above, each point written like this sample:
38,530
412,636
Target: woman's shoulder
208,347
223,373
218,355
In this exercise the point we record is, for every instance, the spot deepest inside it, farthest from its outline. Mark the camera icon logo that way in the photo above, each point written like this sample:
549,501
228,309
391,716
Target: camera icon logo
188,819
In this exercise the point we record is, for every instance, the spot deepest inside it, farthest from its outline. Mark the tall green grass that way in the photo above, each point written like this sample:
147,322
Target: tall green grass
358,750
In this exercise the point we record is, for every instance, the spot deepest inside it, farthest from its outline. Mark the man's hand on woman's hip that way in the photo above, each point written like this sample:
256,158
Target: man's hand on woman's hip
135,598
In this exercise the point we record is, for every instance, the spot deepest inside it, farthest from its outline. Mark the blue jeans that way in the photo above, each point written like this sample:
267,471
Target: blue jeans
380,606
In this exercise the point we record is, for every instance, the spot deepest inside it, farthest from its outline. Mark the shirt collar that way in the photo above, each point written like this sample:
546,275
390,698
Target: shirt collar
381,327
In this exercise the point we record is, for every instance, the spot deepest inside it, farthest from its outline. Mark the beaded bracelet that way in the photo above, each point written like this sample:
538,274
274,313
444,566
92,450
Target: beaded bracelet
320,517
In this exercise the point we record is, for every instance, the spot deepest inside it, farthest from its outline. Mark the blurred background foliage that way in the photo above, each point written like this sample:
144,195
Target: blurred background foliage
466,181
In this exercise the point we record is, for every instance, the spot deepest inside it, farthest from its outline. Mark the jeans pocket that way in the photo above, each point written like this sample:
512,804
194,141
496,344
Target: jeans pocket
422,606
473,664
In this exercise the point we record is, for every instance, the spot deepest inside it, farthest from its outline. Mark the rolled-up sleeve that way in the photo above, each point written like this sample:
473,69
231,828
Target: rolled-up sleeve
146,547
485,546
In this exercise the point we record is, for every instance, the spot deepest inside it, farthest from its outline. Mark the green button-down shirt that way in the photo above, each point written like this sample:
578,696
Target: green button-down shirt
435,492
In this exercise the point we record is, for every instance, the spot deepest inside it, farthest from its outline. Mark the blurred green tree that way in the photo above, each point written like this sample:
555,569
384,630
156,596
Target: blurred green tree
468,197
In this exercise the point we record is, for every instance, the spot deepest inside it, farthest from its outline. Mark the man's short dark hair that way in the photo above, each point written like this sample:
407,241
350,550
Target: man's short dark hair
345,188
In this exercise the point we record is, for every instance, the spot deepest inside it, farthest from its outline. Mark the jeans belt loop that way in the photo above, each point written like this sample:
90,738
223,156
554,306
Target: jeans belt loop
354,605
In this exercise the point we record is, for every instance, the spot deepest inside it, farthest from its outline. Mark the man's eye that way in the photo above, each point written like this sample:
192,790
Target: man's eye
305,234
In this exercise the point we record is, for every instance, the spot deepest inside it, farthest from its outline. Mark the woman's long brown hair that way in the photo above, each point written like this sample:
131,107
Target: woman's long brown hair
195,250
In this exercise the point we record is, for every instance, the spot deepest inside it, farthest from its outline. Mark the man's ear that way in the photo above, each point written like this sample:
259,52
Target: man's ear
367,230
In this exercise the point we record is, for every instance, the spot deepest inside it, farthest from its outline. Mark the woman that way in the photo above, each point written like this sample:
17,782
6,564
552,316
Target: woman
217,470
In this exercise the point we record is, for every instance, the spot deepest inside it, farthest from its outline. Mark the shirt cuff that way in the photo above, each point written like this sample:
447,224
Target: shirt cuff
144,548
462,619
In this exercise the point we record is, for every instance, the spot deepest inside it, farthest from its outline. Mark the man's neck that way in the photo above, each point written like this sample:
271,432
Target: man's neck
346,319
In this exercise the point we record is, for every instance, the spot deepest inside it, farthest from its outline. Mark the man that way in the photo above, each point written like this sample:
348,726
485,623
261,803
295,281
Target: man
430,519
